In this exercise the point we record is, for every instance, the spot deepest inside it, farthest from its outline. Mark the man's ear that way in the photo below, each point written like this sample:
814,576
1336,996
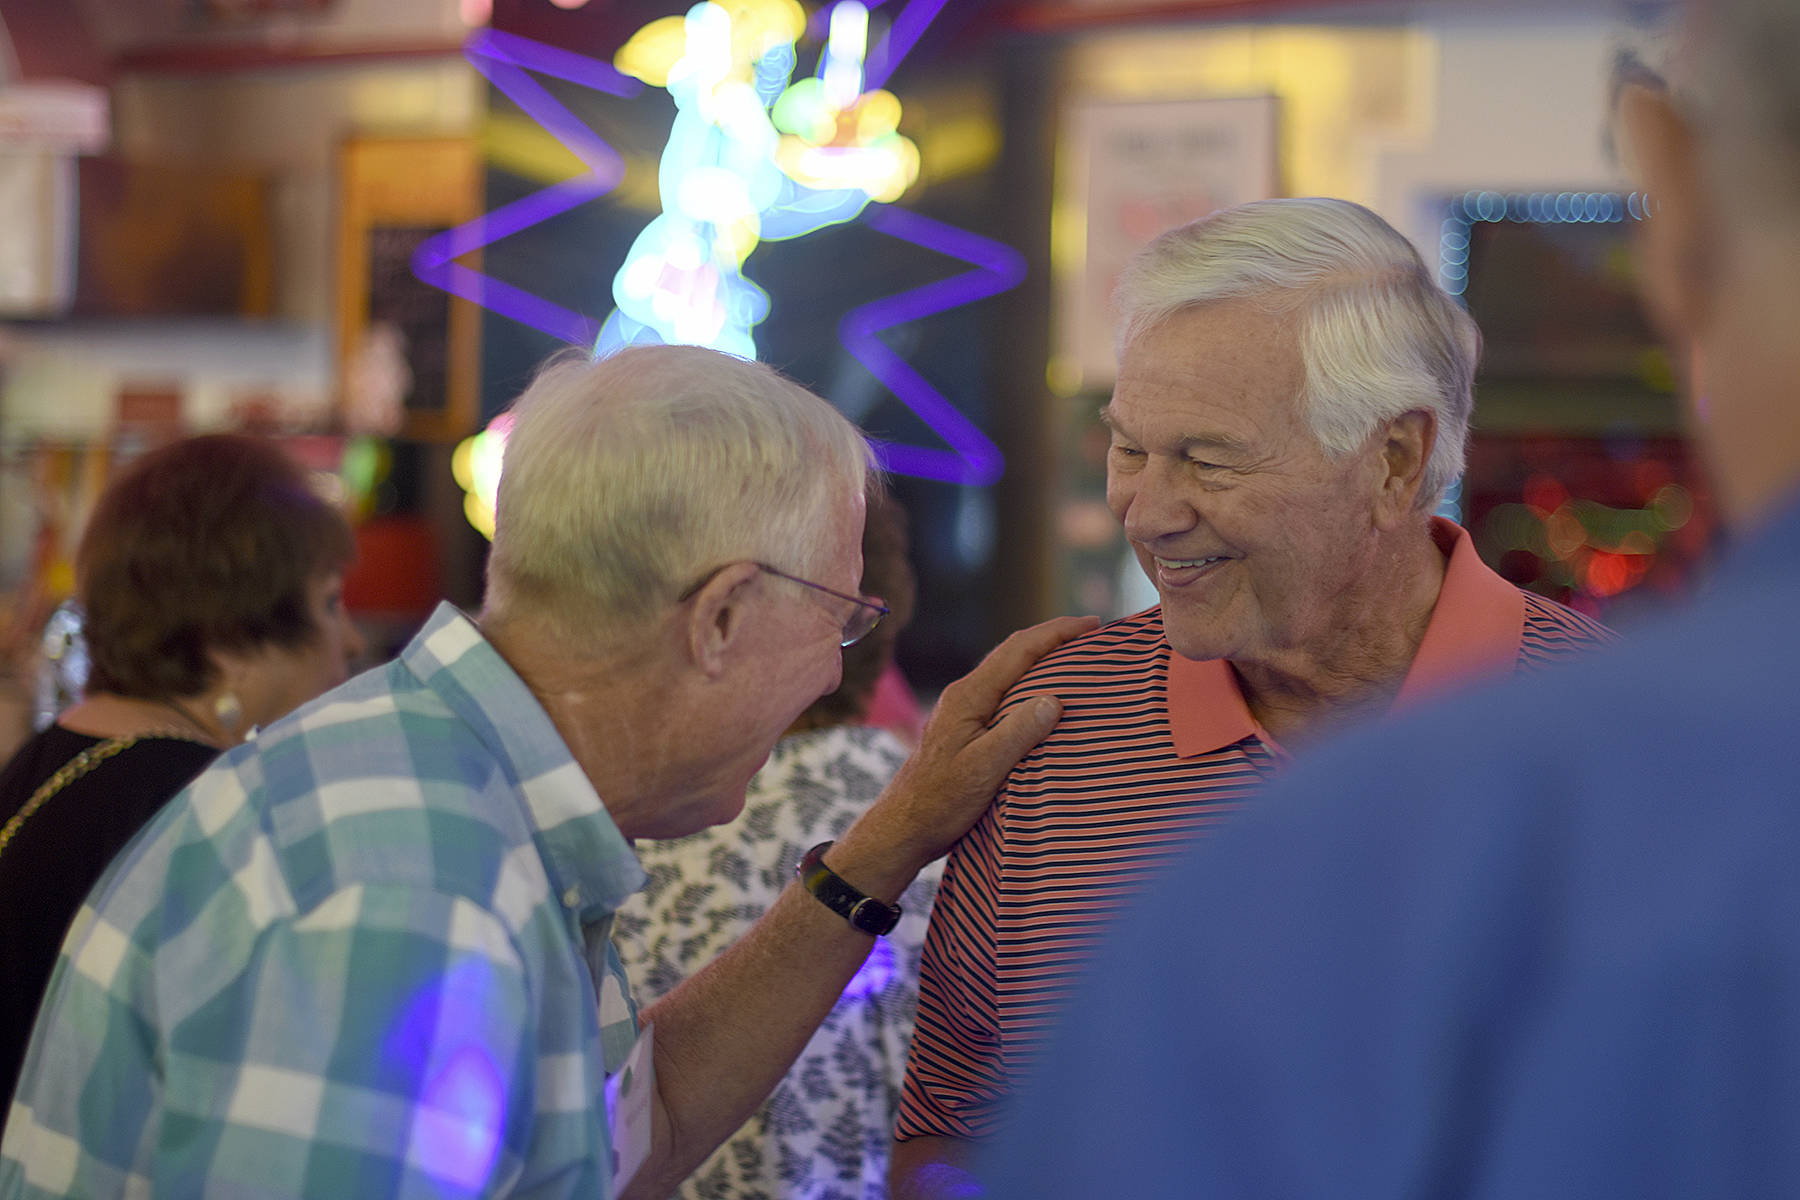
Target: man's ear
716,616
1407,442
1675,251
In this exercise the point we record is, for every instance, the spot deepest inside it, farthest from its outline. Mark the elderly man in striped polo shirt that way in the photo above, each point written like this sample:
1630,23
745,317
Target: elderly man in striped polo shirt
1293,398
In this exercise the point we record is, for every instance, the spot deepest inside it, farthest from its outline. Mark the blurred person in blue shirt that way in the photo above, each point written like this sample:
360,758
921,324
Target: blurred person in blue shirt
1544,941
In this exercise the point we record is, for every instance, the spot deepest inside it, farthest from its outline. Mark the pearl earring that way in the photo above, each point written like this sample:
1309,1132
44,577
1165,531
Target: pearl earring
230,712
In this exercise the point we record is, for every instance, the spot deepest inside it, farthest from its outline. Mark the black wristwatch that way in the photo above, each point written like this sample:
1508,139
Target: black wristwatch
864,912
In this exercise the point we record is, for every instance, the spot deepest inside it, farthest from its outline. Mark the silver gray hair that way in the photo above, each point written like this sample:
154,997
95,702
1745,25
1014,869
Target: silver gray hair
626,479
1378,336
1735,71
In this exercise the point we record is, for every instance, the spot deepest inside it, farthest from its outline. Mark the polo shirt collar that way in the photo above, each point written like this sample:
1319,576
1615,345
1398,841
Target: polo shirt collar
589,862
1474,630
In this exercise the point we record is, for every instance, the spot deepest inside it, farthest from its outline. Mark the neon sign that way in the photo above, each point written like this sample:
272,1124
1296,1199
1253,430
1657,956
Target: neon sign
751,156
754,156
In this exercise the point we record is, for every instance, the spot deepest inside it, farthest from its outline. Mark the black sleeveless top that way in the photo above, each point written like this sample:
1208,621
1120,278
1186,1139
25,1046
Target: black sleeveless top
61,850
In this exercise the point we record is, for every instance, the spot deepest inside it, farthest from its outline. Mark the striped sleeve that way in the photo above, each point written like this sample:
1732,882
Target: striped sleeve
954,1071
1074,832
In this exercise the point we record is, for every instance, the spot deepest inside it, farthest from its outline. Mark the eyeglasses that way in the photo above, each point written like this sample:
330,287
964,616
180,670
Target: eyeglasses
863,618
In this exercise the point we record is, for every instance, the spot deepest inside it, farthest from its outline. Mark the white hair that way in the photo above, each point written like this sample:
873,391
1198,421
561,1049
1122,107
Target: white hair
1378,337
626,479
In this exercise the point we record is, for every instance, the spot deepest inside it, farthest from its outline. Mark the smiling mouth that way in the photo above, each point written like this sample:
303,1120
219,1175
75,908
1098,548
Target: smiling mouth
1178,572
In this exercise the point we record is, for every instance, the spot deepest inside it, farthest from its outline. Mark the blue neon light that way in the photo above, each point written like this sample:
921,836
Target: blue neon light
1541,208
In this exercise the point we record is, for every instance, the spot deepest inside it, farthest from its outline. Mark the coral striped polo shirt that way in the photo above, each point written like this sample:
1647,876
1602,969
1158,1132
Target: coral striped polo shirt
1152,749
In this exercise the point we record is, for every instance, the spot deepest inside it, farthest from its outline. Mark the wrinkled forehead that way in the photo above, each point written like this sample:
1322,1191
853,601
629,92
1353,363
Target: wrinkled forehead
1237,345
1202,379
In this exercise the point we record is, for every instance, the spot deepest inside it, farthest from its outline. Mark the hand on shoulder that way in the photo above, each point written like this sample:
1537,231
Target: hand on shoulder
965,754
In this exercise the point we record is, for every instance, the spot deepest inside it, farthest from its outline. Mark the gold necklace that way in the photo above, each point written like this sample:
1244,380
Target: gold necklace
81,764
66,774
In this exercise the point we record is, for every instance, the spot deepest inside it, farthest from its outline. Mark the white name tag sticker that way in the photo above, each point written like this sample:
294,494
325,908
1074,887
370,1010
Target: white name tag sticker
629,1093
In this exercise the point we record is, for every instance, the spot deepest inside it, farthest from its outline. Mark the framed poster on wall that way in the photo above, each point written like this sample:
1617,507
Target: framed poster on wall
403,343
1128,170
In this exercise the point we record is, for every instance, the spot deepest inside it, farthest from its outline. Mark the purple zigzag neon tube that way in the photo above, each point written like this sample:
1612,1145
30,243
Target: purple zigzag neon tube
902,36
504,59
972,457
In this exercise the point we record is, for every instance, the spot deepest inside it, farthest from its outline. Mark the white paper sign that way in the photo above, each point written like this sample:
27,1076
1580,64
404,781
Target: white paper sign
1136,169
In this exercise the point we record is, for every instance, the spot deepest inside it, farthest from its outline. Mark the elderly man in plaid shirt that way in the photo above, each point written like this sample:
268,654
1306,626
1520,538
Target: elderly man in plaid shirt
367,953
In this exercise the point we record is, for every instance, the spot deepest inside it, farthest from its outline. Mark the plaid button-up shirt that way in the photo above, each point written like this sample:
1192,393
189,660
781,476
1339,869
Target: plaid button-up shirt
364,954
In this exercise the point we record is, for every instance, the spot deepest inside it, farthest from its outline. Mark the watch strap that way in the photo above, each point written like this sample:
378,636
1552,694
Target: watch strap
864,912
